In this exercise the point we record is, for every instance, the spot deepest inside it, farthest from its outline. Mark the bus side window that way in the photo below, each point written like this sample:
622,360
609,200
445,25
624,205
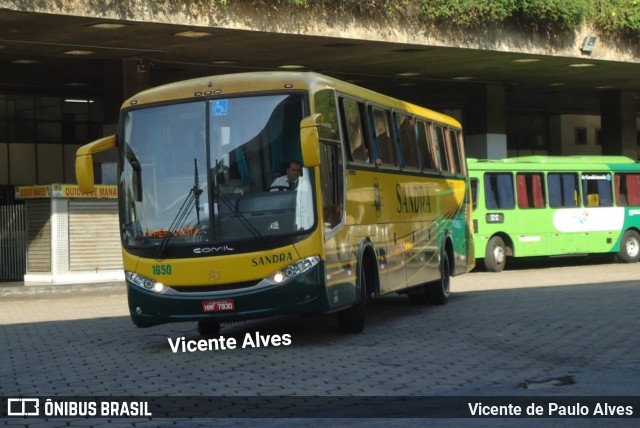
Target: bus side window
498,191
425,147
530,190
331,180
441,148
457,151
563,190
407,141
474,193
382,136
354,135
596,189
331,165
325,103
627,189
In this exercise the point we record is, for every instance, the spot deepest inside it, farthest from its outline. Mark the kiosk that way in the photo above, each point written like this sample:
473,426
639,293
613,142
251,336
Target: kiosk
72,237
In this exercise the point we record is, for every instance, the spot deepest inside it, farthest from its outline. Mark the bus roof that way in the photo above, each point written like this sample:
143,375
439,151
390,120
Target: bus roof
220,85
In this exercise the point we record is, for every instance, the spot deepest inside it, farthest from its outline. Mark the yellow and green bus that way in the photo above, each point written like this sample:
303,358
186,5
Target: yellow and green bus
555,205
381,204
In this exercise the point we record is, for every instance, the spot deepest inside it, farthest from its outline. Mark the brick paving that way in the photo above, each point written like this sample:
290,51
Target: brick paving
500,334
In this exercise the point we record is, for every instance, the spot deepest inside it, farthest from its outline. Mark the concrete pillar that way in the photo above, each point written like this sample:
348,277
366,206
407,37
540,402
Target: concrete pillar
113,90
121,81
618,124
136,77
59,222
484,122
555,135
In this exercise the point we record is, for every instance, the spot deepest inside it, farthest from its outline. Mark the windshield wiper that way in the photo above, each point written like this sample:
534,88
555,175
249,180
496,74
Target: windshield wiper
191,201
137,173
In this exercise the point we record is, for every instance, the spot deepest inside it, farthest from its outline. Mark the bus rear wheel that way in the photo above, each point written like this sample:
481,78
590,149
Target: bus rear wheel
496,255
208,328
630,247
438,292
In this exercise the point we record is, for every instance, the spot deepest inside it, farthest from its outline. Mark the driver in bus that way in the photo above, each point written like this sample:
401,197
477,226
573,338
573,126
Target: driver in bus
289,181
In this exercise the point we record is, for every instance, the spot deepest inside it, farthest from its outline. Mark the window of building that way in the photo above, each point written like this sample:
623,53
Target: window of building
580,136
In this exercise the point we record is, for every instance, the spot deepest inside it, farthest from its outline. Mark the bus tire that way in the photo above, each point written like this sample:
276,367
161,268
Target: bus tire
208,328
630,247
351,320
496,255
438,292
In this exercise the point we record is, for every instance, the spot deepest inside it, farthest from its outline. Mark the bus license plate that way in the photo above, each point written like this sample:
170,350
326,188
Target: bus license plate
222,305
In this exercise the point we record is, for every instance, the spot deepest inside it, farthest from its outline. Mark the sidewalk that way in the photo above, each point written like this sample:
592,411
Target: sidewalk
15,289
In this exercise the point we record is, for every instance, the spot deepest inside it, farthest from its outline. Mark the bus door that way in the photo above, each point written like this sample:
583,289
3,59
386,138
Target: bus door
499,199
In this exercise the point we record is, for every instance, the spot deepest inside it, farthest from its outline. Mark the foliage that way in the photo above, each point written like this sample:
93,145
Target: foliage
617,16
555,15
609,16
468,13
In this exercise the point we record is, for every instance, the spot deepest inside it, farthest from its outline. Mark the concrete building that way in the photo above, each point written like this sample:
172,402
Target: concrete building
67,66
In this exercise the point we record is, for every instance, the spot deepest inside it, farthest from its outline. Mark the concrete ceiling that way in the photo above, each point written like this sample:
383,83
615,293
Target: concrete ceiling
549,85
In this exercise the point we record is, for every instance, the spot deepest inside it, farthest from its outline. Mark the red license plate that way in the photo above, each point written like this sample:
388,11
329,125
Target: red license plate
222,305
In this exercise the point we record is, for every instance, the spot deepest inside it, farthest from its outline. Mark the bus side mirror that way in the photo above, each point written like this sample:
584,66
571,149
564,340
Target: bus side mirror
310,140
84,161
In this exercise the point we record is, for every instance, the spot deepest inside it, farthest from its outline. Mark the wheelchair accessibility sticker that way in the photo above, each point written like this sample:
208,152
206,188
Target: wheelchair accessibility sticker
220,107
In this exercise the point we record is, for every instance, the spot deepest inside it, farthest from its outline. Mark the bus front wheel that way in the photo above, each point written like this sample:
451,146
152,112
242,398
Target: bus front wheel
630,247
495,255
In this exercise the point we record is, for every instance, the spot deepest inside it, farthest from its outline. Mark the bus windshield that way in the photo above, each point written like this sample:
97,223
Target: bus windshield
201,172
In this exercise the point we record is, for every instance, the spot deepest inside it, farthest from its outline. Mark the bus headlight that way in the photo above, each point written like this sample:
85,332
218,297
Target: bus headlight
293,270
144,282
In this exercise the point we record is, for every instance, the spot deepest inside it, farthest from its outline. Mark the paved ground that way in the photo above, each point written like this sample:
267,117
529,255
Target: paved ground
527,332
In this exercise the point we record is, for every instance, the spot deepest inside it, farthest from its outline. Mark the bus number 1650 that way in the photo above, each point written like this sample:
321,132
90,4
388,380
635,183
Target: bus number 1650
161,269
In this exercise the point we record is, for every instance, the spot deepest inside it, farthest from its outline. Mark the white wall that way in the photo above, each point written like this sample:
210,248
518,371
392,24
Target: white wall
568,125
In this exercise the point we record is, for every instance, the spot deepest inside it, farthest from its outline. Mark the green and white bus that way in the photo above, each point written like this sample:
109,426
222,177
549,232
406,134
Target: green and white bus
555,205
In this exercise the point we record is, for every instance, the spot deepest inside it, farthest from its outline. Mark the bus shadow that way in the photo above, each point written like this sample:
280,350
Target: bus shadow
320,329
551,262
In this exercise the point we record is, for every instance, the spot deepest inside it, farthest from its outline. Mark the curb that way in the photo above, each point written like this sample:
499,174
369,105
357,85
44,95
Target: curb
18,289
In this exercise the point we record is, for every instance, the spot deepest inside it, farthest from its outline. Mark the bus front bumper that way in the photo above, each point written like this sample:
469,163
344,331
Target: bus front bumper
304,294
